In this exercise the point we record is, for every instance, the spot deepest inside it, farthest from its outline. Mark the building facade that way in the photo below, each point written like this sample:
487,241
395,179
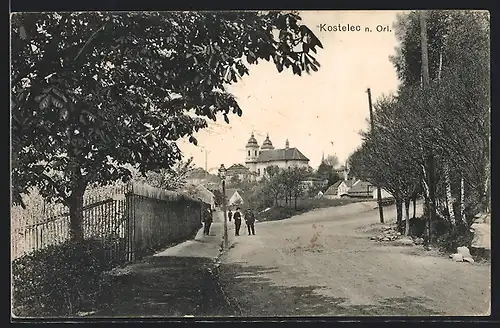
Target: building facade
259,158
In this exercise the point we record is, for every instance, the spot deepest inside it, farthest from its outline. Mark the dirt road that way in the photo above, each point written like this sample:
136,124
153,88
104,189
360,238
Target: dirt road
323,263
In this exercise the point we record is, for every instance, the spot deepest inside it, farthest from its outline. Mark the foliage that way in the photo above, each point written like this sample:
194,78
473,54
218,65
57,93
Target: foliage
331,160
327,171
93,91
218,197
234,180
293,178
278,184
449,121
173,178
58,280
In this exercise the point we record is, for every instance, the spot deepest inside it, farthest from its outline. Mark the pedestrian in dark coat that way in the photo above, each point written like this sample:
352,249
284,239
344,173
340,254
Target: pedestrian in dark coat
230,215
237,221
250,221
207,221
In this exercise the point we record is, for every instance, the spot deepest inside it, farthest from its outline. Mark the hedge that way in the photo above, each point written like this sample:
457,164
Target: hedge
58,280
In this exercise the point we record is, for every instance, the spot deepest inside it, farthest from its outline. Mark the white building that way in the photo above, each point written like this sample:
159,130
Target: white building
235,197
259,158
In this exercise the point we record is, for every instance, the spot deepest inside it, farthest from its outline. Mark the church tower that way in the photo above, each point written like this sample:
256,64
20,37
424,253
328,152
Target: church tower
267,145
252,153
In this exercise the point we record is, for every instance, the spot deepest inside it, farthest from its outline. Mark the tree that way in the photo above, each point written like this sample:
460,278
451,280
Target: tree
92,92
295,182
218,197
235,180
452,114
331,160
327,172
384,159
275,187
192,190
173,178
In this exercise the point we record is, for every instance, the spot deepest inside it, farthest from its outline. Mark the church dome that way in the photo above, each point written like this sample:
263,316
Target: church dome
252,142
267,144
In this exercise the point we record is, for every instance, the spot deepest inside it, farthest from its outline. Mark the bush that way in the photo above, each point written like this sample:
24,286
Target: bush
453,238
58,280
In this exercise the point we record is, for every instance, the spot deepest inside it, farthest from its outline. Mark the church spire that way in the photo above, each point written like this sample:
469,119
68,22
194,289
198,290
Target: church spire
323,158
287,144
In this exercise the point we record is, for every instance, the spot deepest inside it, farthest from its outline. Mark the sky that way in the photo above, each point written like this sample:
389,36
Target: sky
318,113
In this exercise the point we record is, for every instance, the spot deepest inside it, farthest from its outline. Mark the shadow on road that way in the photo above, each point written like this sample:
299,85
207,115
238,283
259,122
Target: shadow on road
254,295
166,287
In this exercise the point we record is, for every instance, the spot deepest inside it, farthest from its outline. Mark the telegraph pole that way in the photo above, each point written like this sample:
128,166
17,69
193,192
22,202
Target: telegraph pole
379,191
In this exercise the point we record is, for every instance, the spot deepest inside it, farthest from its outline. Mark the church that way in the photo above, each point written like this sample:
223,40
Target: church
260,157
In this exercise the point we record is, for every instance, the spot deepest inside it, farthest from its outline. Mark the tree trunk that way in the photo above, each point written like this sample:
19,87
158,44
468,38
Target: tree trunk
462,201
76,214
399,213
380,207
426,202
431,169
487,189
449,195
407,217
425,56
414,205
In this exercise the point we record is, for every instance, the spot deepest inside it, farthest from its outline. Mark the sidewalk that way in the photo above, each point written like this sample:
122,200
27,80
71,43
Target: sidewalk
176,282
202,246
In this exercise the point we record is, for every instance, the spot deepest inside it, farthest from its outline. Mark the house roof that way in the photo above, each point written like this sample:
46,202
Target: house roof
332,190
349,183
238,169
197,173
285,154
361,188
201,192
231,191
201,174
314,179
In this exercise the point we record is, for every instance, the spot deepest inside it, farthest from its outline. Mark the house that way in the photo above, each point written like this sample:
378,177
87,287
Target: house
312,181
200,192
235,197
384,193
361,189
332,191
259,158
342,188
240,172
199,176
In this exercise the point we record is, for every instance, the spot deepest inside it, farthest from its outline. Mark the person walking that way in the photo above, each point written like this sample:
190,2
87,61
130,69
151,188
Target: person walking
230,215
250,221
237,221
207,221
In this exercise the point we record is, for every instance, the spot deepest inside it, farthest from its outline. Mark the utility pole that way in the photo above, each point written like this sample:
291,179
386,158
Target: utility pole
222,176
379,191
206,160
430,160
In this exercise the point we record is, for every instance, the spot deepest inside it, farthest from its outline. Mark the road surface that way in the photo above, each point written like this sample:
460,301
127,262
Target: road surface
324,263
